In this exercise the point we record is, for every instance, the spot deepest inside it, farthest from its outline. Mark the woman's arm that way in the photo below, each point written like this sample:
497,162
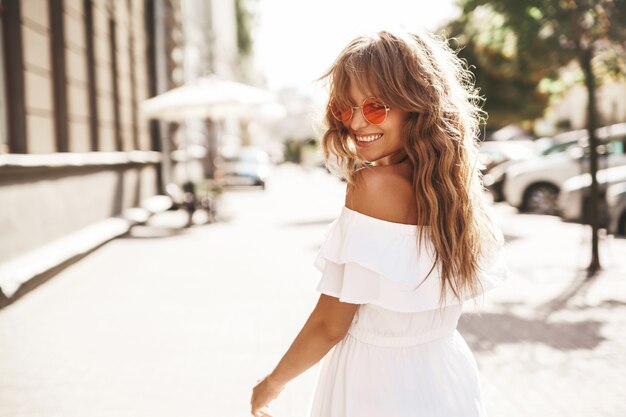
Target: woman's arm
326,326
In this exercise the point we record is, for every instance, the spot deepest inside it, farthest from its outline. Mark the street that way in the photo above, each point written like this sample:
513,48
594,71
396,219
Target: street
179,322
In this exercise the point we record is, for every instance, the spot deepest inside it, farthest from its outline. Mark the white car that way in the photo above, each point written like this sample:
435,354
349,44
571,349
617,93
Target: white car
495,178
574,199
534,185
494,153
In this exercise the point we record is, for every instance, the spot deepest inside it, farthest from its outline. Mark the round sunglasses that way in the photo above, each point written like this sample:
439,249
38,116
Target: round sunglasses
373,109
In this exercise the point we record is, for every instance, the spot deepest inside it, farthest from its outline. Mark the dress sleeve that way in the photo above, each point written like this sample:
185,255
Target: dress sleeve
367,260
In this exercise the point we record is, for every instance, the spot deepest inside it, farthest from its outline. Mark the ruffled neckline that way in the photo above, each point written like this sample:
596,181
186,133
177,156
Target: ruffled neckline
365,259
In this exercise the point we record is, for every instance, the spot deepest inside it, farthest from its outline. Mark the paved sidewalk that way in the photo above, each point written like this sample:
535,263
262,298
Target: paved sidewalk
181,322
549,342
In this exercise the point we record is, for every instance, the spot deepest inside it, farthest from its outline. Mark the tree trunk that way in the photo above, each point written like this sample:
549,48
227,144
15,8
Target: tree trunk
592,122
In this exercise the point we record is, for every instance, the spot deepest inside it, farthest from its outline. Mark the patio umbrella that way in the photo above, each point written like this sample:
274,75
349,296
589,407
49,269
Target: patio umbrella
213,98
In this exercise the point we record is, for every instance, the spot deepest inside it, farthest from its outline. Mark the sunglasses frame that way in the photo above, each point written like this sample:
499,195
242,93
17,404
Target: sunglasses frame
352,108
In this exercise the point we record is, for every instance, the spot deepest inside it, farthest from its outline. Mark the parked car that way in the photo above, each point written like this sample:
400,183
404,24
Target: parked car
250,166
575,197
494,153
616,207
534,185
494,179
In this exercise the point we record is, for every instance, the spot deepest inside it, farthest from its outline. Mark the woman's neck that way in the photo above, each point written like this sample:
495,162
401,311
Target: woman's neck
392,159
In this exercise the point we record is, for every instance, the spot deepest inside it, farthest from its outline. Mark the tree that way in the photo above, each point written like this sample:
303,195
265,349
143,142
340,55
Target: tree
555,32
245,17
508,77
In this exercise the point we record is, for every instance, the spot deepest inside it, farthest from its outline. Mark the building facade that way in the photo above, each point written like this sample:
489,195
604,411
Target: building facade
76,157
74,152
571,109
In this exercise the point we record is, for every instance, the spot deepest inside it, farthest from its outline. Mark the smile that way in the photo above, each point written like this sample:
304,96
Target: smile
369,138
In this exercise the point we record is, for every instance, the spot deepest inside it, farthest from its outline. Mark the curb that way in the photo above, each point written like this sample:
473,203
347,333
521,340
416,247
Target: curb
25,273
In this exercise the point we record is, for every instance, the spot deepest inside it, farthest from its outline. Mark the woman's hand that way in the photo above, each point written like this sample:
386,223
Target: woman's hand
262,394
326,326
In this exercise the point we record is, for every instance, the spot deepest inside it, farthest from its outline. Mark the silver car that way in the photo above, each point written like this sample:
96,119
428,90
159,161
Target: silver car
534,185
575,196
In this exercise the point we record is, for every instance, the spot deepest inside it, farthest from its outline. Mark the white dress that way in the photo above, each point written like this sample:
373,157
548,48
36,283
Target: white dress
402,355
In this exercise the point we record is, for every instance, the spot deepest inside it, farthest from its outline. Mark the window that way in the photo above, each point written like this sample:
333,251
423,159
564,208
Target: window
4,143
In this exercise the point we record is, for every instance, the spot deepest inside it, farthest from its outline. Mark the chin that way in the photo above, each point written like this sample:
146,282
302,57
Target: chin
366,156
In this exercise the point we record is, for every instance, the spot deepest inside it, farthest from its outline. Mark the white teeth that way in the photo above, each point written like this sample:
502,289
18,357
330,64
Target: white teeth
369,138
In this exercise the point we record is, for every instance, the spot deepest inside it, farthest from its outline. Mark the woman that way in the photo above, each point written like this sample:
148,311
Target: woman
413,241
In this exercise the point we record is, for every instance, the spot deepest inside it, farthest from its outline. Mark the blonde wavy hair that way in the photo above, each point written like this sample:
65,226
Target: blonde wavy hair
421,75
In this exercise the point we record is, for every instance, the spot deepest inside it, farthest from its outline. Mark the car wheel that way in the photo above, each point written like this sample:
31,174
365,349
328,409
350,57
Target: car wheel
498,193
541,199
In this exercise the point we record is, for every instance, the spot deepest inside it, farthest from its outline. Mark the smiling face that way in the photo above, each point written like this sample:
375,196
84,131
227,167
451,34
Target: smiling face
375,143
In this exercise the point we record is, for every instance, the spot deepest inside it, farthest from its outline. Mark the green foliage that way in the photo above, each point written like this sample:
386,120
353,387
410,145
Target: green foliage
296,148
293,150
517,48
509,88
552,33
244,18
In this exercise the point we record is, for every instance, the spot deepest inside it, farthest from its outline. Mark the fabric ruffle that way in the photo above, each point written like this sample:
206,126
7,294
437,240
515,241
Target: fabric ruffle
368,260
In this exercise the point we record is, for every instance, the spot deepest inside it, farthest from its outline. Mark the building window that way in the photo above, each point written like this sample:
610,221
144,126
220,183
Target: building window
14,130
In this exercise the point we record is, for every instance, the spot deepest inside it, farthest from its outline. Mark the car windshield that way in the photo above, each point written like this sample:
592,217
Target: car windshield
615,146
561,147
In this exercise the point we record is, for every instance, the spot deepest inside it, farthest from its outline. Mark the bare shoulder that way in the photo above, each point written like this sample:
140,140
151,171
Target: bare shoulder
383,193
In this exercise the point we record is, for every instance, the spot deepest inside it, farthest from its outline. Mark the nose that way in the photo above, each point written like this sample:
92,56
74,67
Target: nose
358,121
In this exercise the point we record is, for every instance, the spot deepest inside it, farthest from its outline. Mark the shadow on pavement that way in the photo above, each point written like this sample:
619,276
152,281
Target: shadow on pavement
579,287
608,304
486,331
153,232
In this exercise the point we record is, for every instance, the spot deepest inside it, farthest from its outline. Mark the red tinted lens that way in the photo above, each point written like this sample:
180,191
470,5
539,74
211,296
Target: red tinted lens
341,114
374,111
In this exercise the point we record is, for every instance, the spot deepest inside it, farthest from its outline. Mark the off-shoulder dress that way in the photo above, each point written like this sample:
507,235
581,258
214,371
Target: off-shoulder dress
403,355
